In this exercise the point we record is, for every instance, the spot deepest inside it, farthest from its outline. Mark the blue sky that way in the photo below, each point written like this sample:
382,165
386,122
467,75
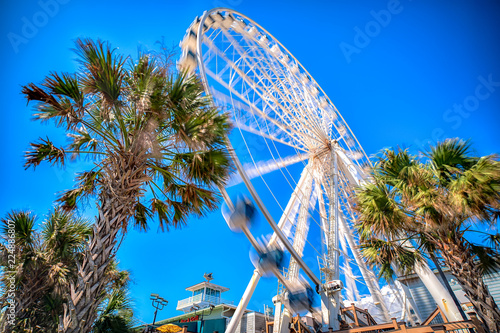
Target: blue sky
429,70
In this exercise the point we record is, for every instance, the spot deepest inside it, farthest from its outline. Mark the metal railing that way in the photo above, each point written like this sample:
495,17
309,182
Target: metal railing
215,300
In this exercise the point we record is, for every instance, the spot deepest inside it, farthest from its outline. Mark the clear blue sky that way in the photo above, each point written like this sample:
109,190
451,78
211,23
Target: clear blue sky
429,71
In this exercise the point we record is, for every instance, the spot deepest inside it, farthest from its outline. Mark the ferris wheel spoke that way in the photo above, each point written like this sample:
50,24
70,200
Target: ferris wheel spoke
267,136
281,124
322,216
302,229
241,123
298,136
290,212
292,86
265,94
263,168
295,111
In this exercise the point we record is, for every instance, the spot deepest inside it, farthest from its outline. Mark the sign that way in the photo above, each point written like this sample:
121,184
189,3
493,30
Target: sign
188,320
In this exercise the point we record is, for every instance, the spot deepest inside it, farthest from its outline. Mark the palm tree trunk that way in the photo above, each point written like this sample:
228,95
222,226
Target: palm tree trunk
124,174
470,276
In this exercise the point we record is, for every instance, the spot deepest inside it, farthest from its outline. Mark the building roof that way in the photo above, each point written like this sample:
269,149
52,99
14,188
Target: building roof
208,285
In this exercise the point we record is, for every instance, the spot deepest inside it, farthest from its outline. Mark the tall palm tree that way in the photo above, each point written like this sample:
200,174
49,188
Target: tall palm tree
158,148
432,203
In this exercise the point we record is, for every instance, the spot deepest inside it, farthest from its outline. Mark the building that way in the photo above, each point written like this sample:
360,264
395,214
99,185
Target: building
206,311
425,303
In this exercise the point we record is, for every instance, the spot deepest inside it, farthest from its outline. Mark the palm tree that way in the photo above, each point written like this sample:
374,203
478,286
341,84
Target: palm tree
432,203
20,261
43,267
158,148
41,284
115,313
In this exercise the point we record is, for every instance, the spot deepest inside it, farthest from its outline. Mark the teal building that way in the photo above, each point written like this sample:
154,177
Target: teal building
206,311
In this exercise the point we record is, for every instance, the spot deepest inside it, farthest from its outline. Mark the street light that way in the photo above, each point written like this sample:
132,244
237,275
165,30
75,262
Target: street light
158,303
196,307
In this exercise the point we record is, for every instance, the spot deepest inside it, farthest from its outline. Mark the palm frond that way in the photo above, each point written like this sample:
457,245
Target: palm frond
380,212
87,183
450,157
196,199
49,107
493,240
384,253
210,167
66,85
65,234
477,191
104,72
141,217
44,150
170,213
81,140
23,225
489,258
115,313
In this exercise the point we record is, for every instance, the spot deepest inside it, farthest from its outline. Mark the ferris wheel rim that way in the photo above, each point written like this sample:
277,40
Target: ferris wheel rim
204,77
203,74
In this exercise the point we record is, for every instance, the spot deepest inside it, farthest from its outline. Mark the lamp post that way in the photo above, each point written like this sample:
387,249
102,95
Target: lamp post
158,303
195,308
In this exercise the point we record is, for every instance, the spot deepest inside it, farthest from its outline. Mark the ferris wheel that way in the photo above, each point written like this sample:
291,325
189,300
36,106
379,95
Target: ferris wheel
297,157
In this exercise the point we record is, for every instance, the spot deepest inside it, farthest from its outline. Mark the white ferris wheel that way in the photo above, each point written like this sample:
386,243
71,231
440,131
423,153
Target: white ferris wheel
297,157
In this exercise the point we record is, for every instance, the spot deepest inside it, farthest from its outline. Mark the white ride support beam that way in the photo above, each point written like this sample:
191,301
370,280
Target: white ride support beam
439,293
302,228
278,306
333,242
279,314
285,321
242,305
326,303
368,276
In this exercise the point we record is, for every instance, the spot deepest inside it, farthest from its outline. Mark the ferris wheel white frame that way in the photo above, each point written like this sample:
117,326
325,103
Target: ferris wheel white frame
343,149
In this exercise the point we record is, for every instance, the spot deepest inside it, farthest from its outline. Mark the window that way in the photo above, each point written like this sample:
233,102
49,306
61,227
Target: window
213,293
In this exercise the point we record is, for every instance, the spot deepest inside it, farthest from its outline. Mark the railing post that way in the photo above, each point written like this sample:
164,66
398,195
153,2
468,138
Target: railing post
355,314
439,329
395,323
